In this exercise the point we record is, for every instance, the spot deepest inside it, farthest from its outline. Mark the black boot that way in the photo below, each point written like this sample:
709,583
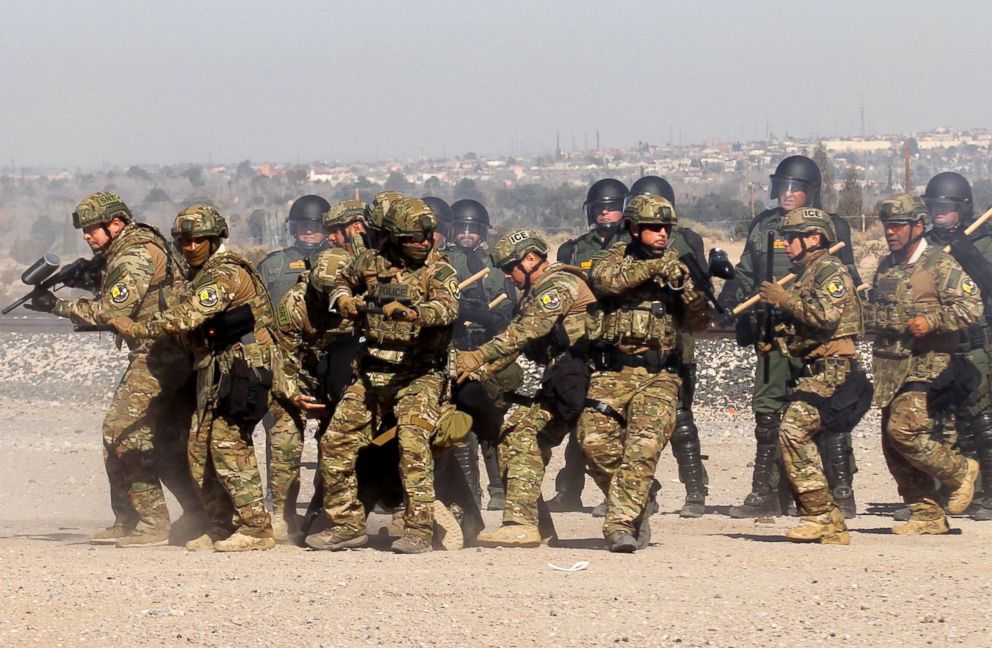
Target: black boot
836,456
467,456
497,497
981,428
692,473
762,500
570,479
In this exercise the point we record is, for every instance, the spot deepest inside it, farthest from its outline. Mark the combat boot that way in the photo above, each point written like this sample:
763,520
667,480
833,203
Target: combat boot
109,536
511,535
902,514
688,455
621,542
497,500
336,539
203,543
410,544
922,527
762,501
695,505
447,530
599,511
827,528
396,524
242,542
848,505
151,539
565,503
960,498
984,512
643,526
280,530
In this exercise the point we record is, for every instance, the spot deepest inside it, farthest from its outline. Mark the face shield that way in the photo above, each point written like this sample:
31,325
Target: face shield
601,213
781,186
945,213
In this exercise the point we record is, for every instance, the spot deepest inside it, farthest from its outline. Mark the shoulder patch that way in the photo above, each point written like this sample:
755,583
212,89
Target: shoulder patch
453,287
119,293
968,286
299,264
282,315
550,300
207,296
836,289
444,271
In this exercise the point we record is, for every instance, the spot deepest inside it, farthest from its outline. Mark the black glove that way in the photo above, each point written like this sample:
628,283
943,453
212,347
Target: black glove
43,302
746,329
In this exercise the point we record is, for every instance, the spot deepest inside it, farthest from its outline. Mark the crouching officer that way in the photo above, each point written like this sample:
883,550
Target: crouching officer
647,301
402,370
822,322
549,328
140,276
228,318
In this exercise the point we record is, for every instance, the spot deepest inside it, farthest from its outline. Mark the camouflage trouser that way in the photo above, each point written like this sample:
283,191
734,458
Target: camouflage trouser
623,462
528,435
139,431
225,472
284,451
800,426
415,403
915,458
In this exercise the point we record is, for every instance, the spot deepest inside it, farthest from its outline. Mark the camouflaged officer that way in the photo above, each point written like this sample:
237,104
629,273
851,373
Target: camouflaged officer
951,207
603,209
228,317
647,301
140,276
375,215
316,343
548,328
346,226
923,302
407,298
822,321
281,268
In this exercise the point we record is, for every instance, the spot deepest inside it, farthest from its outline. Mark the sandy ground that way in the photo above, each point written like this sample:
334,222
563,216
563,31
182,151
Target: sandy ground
713,581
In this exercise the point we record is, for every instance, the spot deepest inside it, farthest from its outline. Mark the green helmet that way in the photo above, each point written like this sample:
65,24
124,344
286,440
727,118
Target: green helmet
344,212
375,212
513,247
649,209
409,218
199,220
903,209
100,208
809,220
324,268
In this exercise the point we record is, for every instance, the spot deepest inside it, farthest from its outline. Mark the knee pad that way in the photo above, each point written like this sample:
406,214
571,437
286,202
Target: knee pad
766,427
685,428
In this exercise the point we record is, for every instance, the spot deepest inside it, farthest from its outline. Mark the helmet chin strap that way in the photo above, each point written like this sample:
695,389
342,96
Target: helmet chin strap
528,273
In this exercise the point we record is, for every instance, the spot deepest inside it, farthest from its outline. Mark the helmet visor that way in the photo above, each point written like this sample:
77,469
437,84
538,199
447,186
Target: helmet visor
302,228
781,186
597,207
939,206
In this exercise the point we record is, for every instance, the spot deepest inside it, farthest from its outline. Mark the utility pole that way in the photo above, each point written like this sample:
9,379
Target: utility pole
905,183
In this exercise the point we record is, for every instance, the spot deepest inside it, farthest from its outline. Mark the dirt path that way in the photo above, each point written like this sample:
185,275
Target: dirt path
712,581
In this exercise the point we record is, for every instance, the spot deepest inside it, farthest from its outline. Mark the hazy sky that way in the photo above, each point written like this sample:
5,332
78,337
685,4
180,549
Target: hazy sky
91,82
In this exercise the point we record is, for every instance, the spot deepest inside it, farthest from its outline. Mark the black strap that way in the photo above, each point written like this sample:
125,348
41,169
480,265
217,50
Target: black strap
606,410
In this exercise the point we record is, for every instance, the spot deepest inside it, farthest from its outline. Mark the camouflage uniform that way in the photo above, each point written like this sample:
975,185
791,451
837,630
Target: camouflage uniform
145,424
930,284
401,371
823,320
646,305
221,454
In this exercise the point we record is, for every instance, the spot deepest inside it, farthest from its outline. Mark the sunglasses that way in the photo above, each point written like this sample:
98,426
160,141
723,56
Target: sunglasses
655,227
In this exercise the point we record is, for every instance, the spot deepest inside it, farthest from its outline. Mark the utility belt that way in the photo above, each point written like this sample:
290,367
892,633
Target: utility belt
371,364
610,358
822,365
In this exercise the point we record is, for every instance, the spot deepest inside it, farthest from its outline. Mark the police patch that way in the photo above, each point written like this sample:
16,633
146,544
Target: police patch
779,244
207,296
453,288
297,265
119,293
836,288
968,286
550,300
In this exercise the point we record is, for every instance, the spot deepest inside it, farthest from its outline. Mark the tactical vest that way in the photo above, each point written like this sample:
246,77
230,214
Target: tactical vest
580,251
473,335
570,329
679,241
257,299
395,342
801,339
167,278
641,317
767,221
281,269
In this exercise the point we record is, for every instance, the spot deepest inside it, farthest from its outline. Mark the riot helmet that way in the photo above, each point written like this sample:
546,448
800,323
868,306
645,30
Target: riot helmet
606,195
796,173
947,194
469,223
652,185
305,222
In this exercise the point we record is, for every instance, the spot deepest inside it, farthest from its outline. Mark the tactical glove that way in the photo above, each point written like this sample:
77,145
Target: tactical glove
773,294
918,326
674,272
123,325
468,361
43,302
397,311
349,306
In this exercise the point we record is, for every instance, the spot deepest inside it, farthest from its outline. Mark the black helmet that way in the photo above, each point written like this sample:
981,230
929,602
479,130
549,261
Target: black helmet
950,187
652,185
799,172
307,214
470,216
442,211
608,194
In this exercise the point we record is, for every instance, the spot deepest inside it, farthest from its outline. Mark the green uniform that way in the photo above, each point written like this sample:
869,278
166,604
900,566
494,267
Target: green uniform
145,429
634,335
933,285
401,371
281,269
823,320
221,455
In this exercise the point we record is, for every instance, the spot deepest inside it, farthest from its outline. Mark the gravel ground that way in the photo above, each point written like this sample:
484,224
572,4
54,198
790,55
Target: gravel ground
712,581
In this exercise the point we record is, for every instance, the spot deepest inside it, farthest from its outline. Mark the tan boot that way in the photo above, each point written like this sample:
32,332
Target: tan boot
241,542
202,543
108,536
922,527
153,539
396,525
280,530
410,544
961,498
336,539
447,530
827,528
511,535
